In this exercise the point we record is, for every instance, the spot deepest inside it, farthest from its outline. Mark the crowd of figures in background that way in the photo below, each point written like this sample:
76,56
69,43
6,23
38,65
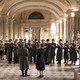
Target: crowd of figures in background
54,52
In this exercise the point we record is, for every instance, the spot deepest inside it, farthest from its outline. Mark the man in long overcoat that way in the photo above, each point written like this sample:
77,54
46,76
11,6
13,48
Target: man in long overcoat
73,53
59,51
23,59
47,52
15,46
66,51
52,51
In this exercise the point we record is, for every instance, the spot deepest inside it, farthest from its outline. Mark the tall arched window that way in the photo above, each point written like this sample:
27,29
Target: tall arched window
36,15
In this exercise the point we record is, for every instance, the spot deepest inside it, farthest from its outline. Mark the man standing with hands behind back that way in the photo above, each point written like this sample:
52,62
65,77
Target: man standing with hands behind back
23,59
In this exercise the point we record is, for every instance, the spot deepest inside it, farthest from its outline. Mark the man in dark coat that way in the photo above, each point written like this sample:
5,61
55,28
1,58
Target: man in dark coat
15,46
73,53
5,45
66,50
23,59
35,47
10,50
43,41
52,51
59,51
29,47
1,49
47,52
40,63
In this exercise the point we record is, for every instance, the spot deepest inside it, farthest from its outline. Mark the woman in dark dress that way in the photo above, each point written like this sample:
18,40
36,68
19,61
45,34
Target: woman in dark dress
40,63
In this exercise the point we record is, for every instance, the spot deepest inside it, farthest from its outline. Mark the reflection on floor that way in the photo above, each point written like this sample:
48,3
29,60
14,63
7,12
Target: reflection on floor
52,72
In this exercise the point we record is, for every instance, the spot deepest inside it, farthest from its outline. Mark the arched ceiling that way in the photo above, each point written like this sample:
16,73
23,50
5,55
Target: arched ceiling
15,7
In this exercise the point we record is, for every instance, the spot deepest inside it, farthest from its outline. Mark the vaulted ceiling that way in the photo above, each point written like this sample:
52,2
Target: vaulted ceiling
56,7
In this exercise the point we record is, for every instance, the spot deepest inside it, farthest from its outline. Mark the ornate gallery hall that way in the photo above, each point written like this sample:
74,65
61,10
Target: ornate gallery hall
40,19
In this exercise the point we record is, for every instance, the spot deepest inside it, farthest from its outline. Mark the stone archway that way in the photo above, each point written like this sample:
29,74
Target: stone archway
13,9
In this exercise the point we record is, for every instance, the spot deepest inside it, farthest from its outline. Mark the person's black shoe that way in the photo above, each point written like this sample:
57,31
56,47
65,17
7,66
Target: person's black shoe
22,75
42,75
58,62
39,76
27,75
53,62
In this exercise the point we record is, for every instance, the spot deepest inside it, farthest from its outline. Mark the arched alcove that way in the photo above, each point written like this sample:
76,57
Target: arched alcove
36,15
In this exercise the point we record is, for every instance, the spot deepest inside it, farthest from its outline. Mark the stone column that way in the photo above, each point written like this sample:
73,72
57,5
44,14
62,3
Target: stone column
16,29
5,27
57,31
65,30
49,32
67,27
30,34
10,28
1,27
21,31
60,29
41,33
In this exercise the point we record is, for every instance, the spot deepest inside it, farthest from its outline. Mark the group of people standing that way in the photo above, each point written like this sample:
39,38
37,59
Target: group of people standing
39,53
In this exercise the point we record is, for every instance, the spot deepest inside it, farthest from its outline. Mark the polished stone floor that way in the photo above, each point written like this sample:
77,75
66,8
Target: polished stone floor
52,72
